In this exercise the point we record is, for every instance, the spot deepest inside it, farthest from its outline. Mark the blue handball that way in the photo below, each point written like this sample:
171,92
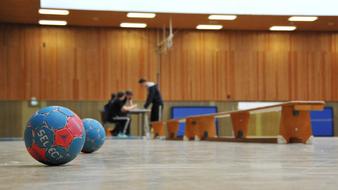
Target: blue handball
95,135
54,135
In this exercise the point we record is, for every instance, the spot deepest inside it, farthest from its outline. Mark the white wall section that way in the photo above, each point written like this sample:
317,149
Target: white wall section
241,7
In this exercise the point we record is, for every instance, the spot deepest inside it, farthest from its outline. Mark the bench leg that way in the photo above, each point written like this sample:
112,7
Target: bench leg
172,127
240,123
206,128
189,131
158,129
295,126
107,130
200,128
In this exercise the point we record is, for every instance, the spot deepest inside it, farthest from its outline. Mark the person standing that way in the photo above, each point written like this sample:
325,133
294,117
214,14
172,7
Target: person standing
154,98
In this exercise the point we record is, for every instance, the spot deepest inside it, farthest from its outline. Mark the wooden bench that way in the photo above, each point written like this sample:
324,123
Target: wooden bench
295,124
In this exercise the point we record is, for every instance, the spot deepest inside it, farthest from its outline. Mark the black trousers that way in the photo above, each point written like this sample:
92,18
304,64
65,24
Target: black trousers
156,112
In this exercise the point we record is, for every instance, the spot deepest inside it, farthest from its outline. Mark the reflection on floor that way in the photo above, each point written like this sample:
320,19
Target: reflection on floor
140,164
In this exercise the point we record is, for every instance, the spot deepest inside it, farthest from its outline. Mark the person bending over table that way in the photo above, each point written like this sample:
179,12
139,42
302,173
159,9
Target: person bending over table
154,97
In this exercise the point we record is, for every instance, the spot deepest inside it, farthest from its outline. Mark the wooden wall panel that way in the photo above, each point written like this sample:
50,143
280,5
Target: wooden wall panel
11,119
3,66
53,63
261,66
87,63
32,62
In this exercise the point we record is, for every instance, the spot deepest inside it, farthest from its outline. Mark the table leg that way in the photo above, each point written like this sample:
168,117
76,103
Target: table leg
146,125
140,125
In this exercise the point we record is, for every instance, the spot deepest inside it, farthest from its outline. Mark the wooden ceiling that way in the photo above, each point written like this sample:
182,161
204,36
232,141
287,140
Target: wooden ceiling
26,12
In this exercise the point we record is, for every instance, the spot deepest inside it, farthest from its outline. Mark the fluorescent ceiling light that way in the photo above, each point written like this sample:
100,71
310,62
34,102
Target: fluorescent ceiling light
141,15
53,22
53,12
282,28
133,25
209,27
222,17
303,18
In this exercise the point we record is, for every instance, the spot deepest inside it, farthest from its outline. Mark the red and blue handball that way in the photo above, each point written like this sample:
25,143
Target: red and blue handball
95,135
54,135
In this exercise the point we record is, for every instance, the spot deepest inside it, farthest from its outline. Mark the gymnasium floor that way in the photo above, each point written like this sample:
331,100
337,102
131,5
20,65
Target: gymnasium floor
141,164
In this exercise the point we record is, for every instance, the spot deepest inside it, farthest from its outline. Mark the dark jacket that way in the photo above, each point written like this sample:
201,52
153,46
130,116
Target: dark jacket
116,108
154,97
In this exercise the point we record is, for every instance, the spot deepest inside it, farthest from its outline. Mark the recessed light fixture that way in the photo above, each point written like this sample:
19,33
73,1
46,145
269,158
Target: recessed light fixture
209,27
53,22
141,15
133,25
222,17
303,18
282,28
53,12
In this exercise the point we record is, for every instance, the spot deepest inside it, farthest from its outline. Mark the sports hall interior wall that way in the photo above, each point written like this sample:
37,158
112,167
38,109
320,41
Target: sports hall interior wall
88,63
79,67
